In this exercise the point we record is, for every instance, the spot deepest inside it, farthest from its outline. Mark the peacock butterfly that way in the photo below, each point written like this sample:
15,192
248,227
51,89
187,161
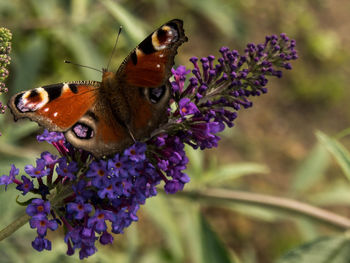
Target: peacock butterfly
105,117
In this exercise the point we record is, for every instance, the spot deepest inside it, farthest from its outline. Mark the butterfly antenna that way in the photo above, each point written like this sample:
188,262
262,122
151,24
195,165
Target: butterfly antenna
83,66
115,45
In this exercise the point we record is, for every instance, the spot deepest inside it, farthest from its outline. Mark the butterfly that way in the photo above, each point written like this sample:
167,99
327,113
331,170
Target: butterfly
108,116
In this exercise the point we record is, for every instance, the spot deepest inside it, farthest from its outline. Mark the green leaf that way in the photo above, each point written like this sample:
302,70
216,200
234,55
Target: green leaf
161,213
213,249
337,194
24,203
339,152
231,172
84,51
18,131
28,63
136,28
311,169
196,162
189,216
255,212
212,10
323,250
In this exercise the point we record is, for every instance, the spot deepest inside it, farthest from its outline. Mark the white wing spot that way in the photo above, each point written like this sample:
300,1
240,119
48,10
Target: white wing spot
65,87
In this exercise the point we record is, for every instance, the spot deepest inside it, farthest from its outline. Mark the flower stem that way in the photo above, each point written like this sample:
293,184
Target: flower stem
14,226
279,203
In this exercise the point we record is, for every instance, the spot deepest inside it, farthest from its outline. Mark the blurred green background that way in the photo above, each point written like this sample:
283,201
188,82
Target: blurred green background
272,149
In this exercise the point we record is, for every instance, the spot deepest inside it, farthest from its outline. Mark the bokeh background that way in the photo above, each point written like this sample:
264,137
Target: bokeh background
271,150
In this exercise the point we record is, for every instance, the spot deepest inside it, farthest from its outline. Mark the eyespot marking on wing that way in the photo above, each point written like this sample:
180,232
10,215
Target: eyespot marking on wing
163,37
31,100
155,95
83,131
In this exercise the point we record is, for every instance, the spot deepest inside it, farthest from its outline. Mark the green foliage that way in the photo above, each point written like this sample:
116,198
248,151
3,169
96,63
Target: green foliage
213,249
322,250
339,152
311,170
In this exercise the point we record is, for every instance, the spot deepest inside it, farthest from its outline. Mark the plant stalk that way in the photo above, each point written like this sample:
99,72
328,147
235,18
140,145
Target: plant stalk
14,226
288,205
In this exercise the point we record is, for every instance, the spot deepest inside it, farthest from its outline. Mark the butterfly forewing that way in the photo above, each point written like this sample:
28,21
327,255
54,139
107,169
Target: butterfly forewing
56,107
149,64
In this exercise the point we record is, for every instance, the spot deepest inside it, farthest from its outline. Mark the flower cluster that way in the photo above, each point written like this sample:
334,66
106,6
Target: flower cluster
83,193
215,93
5,59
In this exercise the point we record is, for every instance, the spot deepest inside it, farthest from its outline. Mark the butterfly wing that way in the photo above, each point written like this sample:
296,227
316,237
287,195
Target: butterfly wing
142,80
149,64
98,131
56,107
72,108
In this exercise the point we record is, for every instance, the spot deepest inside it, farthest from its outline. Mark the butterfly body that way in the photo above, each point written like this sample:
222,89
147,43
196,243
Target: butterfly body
105,117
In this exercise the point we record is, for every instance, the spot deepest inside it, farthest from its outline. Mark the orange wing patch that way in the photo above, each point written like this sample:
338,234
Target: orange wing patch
149,70
56,107
69,107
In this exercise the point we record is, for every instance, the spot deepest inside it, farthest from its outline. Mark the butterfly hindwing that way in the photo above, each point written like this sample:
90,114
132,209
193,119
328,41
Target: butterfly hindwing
98,132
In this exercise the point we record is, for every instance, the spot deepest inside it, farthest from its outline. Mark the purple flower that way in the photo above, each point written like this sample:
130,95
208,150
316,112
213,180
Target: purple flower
173,186
41,223
6,180
26,186
106,238
49,158
136,152
98,221
112,190
39,171
79,209
186,107
83,238
65,169
38,206
81,190
119,166
99,174
87,251
180,77
204,134
50,137
41,243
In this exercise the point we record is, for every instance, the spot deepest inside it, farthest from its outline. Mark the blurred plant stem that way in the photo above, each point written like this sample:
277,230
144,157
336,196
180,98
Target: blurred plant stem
278,203
21,152
14,226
